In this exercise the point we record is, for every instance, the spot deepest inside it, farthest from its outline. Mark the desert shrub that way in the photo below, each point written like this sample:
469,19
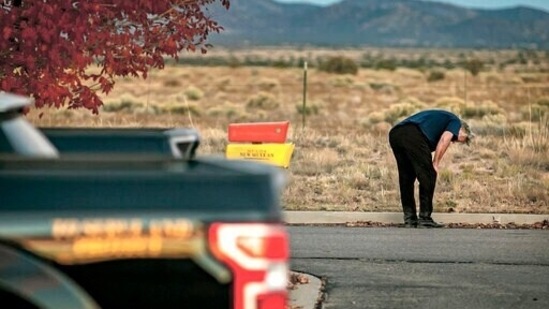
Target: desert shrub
309,109
282,62
512,80
386,64
517,130
534,112
524,152
492,78
495,125
233,62
472,110
540,140
338,65
436,76
380,128
381,86
223,83
375,123
531,78
452,104
544,101
262,100
172,82
446,176
267,84
377,86
400,110
183,109
533,147
474,66
374,117
126,103
342,81
372,172
495,118
228,110
411,73
193,93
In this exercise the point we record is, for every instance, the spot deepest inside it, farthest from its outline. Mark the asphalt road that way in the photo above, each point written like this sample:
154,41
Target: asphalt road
425,268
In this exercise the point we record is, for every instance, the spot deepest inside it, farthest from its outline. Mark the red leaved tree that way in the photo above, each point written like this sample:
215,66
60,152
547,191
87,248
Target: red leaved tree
46,46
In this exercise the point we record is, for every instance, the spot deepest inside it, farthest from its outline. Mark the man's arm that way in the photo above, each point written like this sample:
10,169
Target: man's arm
442,145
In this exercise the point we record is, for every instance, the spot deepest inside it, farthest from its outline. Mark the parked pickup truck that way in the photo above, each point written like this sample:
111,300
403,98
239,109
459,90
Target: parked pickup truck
108,229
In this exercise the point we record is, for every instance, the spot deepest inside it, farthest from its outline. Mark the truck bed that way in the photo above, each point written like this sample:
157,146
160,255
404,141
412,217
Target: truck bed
206,187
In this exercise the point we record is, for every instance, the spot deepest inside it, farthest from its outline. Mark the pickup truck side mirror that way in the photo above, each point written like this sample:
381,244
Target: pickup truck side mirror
17,135
183,142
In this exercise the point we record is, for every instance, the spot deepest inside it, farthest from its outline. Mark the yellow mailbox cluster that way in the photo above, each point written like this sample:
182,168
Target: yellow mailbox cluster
260,141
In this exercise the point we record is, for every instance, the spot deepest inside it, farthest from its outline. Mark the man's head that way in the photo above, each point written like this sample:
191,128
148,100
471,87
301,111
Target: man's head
465,133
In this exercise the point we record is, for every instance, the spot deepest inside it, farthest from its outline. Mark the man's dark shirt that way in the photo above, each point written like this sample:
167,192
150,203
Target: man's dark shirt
433,123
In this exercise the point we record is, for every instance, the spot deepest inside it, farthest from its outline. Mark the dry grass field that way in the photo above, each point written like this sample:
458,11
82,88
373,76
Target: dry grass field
342,159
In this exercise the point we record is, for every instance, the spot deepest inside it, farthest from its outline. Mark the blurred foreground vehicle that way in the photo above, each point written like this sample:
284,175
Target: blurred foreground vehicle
132,218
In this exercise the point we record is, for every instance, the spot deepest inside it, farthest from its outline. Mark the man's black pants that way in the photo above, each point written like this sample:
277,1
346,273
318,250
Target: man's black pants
414,161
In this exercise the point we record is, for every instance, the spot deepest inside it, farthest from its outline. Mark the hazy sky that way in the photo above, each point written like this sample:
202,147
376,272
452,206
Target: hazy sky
539,4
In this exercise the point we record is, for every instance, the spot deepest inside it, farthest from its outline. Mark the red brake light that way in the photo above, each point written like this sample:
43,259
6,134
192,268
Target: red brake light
266,246
272,301
258,257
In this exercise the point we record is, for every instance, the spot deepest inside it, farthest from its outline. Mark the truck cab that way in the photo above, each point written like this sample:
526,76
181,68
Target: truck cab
89,228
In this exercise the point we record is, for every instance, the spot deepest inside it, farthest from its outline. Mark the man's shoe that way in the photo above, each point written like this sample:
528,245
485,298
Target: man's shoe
428,223
410,219
410,225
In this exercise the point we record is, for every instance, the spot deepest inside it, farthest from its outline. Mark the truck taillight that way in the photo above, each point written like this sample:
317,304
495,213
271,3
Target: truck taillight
257,255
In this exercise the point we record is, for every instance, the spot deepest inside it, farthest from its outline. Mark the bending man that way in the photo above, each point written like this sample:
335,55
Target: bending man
412,141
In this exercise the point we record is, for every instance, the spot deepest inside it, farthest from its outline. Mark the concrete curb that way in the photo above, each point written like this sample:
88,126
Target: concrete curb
306,295
336,217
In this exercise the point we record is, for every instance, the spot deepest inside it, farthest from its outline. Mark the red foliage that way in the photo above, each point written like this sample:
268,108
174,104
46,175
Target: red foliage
46,46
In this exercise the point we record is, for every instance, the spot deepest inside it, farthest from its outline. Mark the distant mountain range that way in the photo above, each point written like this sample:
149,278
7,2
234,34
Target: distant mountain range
390,23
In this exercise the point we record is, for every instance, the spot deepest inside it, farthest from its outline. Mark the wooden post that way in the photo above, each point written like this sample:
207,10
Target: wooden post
304,107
